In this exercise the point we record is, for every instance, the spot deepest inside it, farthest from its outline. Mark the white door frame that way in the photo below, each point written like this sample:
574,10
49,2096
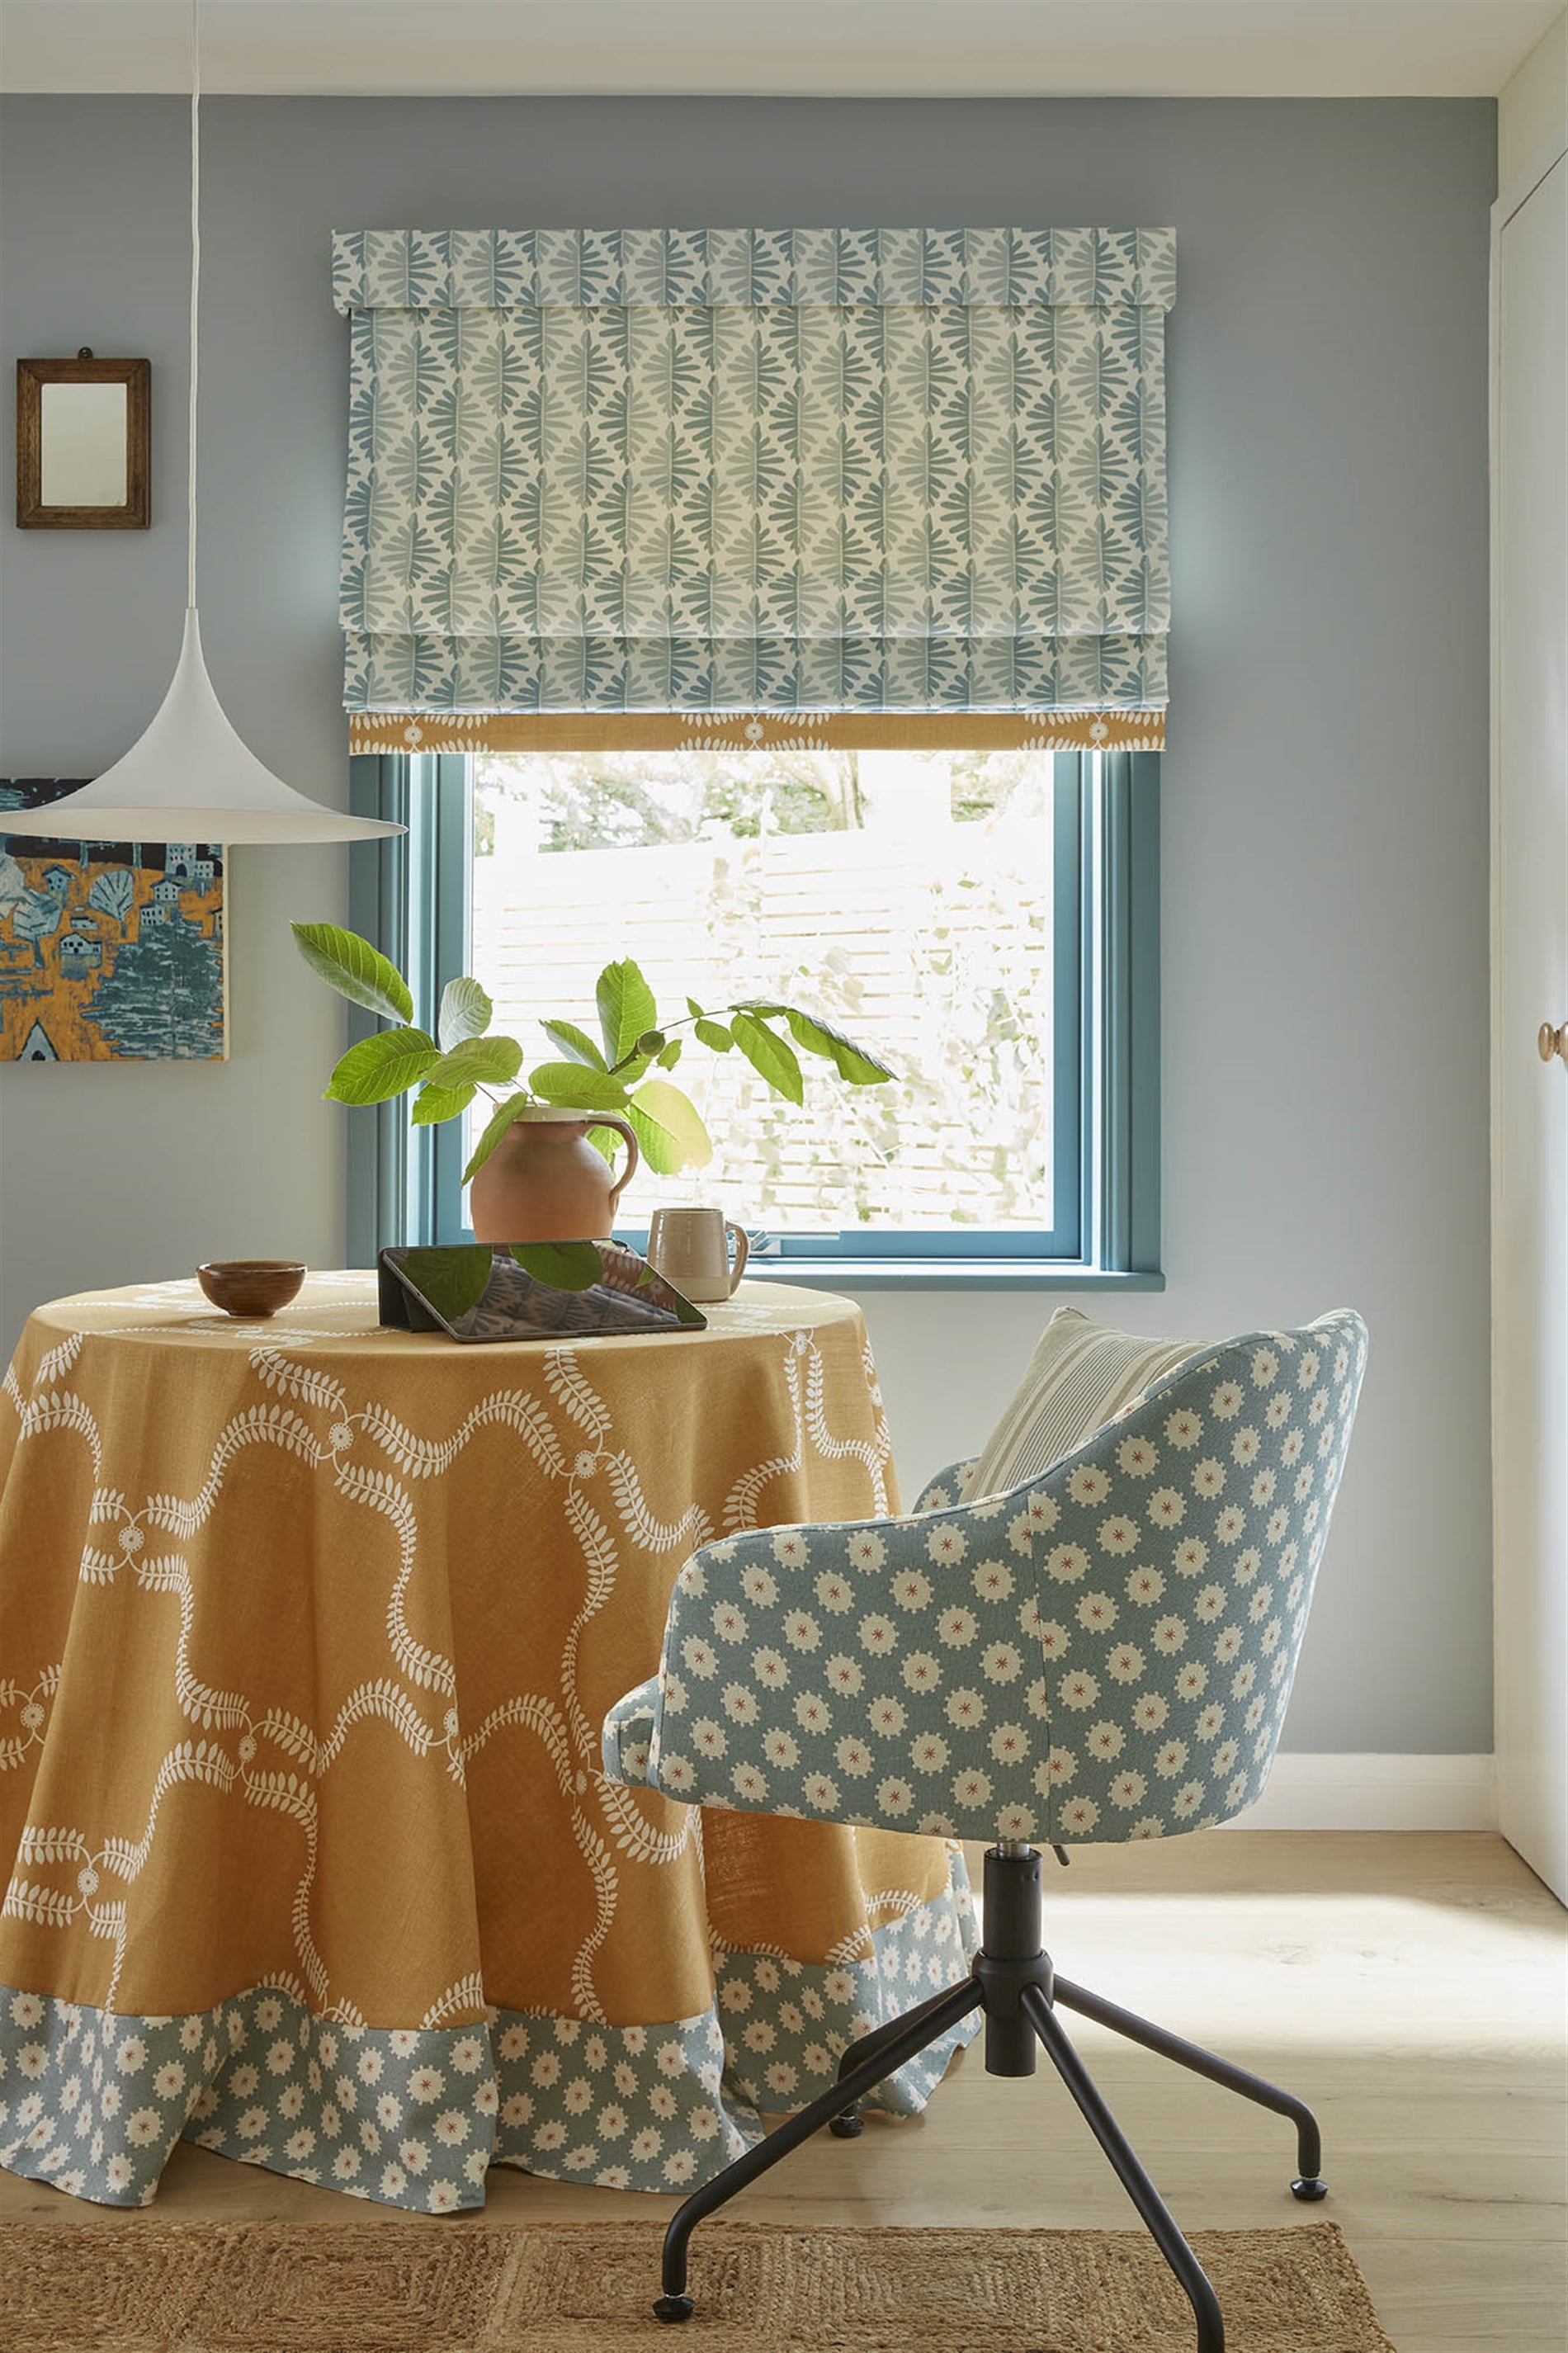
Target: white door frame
1509,202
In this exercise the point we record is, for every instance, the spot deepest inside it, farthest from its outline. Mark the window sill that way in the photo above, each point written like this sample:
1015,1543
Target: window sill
947,1274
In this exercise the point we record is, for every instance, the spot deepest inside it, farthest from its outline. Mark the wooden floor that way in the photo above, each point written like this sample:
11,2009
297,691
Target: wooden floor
1413,1989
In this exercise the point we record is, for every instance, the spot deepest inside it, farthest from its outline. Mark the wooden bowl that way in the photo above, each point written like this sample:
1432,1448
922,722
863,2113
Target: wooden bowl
251,1286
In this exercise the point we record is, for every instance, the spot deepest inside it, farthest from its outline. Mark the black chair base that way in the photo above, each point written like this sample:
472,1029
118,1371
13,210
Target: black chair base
1019,1993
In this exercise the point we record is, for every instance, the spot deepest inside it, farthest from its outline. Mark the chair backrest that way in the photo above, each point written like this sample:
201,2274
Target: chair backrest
1105,1653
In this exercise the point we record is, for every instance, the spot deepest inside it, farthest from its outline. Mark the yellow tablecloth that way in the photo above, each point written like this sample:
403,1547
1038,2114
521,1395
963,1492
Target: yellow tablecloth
307,1629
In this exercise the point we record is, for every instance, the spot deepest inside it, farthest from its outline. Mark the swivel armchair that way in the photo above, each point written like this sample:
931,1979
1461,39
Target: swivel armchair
1106,1653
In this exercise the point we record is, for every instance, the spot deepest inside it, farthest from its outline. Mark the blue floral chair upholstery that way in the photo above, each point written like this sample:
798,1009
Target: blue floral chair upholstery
1104,1653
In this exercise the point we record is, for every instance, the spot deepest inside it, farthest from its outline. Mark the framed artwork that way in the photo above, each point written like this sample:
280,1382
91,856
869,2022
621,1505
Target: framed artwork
84,441
109,951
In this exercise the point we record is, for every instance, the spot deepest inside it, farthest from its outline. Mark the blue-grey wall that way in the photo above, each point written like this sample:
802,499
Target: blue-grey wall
1325,827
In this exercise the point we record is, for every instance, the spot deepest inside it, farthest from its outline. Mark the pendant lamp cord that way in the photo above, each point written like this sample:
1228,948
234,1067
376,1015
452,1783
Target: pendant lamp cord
196,282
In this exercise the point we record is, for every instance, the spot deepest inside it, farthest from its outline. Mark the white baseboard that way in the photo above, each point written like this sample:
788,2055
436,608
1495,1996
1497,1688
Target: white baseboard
1377,1792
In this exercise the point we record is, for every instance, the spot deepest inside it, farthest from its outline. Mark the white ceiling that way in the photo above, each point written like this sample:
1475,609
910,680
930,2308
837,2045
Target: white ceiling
783,47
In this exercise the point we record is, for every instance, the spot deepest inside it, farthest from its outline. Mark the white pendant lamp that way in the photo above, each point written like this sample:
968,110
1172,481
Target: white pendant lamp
189,778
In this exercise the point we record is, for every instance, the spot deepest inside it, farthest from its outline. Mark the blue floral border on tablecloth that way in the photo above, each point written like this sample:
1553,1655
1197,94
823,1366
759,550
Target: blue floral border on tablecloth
94,2102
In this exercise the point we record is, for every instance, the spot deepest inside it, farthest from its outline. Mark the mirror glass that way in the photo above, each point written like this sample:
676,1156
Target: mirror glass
84,430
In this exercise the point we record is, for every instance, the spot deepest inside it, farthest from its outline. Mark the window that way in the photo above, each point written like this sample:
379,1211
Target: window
984,921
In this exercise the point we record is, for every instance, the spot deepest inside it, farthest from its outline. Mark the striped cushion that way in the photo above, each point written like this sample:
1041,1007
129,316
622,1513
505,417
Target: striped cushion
1081,1375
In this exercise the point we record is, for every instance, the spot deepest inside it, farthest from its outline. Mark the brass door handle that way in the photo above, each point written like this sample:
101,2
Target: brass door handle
1551,1040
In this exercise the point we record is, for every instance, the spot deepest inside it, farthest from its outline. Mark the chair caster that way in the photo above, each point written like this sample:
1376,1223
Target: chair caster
674,2307
1310,2188
849,2126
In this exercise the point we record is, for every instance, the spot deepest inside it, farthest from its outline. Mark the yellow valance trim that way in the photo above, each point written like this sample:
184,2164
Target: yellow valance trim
740,730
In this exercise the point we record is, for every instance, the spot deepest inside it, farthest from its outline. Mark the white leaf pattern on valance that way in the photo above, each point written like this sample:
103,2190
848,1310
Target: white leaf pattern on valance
758,471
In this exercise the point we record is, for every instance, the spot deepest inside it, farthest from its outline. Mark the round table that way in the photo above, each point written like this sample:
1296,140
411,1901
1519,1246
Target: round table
307,1631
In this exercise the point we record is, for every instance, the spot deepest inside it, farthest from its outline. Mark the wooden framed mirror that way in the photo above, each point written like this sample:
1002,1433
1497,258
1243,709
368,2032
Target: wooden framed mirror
84,444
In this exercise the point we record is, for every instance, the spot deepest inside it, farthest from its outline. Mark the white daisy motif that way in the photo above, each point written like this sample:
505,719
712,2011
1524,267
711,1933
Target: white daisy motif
1067,1563
920,1672
1137,1457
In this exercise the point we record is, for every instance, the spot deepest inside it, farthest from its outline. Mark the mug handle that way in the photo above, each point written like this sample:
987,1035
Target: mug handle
742,1248
622,1127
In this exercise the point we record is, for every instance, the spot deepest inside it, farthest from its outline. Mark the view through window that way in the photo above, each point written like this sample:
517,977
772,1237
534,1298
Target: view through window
909,898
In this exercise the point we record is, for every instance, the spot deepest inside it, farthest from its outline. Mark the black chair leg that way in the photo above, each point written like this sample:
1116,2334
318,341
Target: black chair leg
895,2046
1308,2184
1152,2207
852,2123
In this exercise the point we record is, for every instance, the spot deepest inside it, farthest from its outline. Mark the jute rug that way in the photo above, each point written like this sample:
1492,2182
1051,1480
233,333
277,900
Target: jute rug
147,2287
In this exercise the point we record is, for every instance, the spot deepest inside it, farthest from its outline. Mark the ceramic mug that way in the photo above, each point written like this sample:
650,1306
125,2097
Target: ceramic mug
689,1249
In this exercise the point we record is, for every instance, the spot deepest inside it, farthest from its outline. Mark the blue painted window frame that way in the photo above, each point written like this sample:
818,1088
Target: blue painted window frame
410,895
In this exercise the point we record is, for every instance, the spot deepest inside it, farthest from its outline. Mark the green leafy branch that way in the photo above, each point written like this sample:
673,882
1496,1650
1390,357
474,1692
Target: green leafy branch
624,1073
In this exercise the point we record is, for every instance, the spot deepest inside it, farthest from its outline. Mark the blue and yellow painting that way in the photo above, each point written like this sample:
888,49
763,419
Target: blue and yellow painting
109,951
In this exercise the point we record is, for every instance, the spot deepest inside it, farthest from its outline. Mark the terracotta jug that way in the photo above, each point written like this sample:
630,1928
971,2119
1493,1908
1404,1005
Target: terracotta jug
545,1182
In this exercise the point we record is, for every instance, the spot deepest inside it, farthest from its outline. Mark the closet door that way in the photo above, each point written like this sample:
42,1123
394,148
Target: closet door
1530,1261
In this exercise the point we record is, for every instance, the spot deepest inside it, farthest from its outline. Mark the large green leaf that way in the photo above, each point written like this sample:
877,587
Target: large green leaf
354,969
506,1116
452,1277
466,1012
626,1007
574,1043
668,1127
771,1056
714,1036
576,1087
853,1062
566,1266
381,1067
433,1104
483,1062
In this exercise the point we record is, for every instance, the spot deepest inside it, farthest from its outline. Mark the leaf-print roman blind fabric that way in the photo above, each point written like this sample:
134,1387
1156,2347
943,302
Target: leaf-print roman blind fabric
783,476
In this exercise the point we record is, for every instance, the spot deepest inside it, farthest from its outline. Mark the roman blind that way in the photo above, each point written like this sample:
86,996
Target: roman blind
706,486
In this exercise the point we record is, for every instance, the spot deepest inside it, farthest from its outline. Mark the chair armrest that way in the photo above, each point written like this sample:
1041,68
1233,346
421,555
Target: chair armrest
628,1734
949,1486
